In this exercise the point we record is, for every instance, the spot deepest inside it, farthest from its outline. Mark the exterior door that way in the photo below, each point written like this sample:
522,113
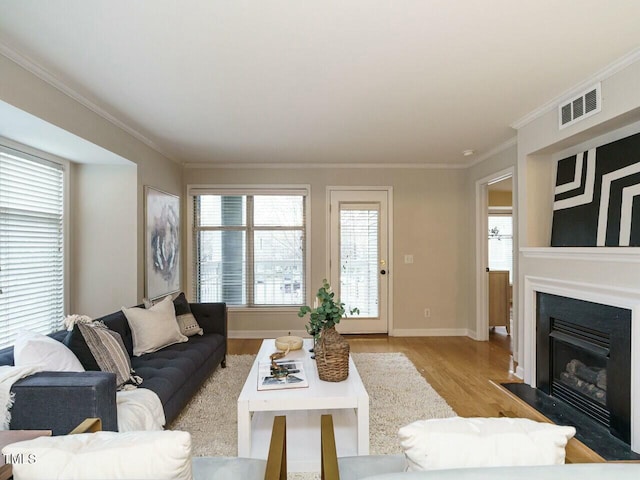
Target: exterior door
359,258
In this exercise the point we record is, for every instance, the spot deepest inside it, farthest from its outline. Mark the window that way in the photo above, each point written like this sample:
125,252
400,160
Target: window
31,245
250,247
501,243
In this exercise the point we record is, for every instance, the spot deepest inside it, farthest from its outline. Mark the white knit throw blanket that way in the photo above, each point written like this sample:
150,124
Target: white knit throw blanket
8,376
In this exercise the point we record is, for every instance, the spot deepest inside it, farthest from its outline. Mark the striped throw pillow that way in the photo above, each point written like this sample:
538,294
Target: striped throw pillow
110,353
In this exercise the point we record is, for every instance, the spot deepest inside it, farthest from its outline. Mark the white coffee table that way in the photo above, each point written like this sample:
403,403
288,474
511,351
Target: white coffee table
347,401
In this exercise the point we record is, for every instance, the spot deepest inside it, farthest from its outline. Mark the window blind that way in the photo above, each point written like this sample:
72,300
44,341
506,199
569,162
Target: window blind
31,245
250,249
359,255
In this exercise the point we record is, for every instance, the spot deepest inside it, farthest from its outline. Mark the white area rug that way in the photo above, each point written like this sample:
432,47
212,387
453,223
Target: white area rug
398,395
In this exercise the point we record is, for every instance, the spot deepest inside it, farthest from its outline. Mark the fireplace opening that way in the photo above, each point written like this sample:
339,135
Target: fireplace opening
579,361
584,359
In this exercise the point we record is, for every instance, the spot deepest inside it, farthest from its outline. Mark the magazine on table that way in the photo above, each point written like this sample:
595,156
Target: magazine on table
288,374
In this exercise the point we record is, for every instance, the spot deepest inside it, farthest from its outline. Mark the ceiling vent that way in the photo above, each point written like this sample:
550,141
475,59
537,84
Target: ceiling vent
580,107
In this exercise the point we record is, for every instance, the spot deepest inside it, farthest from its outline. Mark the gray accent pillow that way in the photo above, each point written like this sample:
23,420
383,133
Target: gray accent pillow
110,353
186,321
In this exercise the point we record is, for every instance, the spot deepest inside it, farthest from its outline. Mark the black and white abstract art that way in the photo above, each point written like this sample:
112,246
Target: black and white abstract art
597,197
162,243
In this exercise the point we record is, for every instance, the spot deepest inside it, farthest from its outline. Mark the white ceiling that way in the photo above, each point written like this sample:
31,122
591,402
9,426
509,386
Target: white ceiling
349,81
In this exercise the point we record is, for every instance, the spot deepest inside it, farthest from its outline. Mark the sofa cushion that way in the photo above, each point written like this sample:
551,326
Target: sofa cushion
155,328
482,442
126,456
228,468
33,348
364,466
166,370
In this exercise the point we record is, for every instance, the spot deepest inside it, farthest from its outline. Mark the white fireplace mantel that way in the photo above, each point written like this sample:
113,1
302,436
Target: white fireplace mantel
591,254
598,293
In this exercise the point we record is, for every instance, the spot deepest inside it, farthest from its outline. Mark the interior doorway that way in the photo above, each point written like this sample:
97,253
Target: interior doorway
500,260
505,204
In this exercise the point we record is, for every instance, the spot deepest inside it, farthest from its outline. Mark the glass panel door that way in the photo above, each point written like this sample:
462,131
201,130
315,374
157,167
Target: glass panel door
358,264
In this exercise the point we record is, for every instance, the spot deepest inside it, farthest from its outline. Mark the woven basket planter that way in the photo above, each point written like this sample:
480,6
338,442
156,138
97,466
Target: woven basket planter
332,356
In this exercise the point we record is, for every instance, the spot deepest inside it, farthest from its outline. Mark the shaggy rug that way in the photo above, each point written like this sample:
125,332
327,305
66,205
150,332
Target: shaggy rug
398,395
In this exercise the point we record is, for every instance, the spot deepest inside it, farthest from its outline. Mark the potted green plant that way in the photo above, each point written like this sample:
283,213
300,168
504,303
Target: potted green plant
331,349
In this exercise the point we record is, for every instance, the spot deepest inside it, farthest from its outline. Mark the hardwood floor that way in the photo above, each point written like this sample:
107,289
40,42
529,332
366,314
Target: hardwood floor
458,368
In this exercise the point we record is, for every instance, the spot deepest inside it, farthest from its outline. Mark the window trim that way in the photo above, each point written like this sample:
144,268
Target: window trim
214,189
12,147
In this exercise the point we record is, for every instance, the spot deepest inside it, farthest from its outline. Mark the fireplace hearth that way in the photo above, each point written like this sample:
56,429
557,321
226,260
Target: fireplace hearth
583,357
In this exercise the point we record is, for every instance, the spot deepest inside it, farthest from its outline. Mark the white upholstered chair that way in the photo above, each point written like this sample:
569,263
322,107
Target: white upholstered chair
88,453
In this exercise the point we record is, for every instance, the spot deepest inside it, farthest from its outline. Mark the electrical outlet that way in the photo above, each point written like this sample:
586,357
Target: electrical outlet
408,259
427,313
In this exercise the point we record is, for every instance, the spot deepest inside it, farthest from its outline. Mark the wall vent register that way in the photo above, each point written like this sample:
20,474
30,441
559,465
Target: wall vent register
578,108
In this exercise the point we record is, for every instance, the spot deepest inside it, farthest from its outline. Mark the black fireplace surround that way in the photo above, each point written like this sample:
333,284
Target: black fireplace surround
583,358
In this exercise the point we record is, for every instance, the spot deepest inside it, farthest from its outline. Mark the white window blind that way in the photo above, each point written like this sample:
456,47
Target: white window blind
31,245
359,254
501,243
249,249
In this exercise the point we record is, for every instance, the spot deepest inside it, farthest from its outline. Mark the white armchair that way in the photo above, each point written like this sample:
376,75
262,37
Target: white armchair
393,467
164,455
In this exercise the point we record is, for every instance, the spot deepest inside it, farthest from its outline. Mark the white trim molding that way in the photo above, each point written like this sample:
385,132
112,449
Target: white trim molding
48,77
265,333
495,150
431,332
589,254
610,70
332,166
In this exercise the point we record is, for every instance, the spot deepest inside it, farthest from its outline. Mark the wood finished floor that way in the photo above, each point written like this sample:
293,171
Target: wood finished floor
457,367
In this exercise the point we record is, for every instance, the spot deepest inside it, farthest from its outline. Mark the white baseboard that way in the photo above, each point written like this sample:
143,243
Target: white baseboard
266,333
519,372
398,332
430,332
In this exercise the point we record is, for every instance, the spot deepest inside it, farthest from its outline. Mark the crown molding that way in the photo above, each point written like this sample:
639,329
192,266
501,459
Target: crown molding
608,71
422,166
495,150
48,77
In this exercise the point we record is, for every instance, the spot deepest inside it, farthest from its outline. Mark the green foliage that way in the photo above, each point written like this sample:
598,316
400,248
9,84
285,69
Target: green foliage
327,314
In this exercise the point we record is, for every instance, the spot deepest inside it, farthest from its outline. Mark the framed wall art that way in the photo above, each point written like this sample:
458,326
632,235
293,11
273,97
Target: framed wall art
162,243
597,197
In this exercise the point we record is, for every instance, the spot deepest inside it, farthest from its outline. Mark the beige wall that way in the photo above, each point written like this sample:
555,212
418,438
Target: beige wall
104,238
430,222
498,198
29,93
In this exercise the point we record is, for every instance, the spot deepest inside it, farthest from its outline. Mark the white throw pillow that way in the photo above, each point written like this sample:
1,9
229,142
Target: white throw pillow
482,442
162,455
154,328
32,348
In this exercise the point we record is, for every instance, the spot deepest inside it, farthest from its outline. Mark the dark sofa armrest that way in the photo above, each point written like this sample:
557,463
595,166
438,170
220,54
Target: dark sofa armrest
212,317
59,401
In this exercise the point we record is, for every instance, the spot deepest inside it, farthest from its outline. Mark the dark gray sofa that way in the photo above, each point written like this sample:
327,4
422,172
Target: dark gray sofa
59,401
